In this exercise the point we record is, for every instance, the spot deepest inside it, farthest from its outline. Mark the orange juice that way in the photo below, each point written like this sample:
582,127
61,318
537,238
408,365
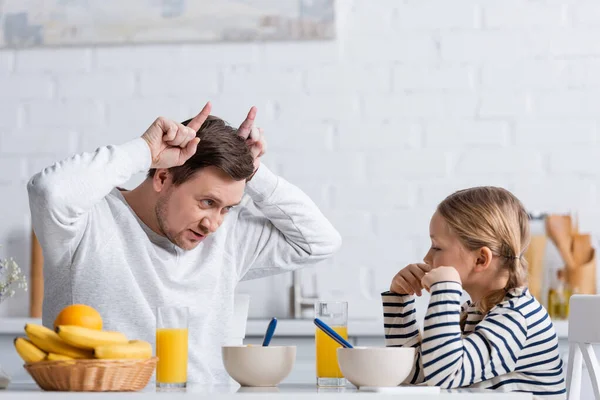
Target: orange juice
327,364
172,353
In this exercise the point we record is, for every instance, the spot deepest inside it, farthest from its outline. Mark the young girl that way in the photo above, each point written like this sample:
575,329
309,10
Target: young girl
503,338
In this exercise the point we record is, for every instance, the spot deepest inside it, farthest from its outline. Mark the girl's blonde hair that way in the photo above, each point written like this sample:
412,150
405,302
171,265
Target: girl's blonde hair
491,217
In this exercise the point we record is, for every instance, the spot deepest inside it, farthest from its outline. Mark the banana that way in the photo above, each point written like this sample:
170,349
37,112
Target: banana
47,340
86,338
141,343
28,351
133,349
57,357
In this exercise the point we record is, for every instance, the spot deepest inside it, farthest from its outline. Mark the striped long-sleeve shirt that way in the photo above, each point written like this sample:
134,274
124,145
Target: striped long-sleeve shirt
512,348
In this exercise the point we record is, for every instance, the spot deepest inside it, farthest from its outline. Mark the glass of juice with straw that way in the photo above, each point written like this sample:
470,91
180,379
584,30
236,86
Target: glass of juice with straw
334,314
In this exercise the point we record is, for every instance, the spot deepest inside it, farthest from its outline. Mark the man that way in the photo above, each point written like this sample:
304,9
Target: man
183,237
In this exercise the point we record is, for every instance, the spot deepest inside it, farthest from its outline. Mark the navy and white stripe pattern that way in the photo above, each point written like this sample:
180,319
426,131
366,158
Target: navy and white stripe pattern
512,348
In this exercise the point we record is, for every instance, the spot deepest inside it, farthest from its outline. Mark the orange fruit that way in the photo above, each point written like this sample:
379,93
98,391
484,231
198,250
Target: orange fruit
79,315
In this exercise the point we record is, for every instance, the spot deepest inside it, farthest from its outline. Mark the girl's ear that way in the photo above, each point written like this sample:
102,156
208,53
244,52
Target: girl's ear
483,259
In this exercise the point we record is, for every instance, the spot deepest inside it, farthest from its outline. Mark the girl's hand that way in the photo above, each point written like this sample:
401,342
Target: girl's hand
440,274
408,280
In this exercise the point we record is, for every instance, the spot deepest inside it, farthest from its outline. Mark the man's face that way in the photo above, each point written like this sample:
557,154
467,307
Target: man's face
188,213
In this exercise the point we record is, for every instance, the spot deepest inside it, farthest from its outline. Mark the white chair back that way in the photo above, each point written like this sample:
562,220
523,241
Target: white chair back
584,330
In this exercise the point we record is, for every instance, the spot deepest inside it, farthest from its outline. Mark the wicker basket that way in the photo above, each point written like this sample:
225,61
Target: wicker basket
92,375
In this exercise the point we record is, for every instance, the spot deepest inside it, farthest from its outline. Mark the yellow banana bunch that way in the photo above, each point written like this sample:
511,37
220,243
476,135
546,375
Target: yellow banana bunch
138,349
85,338
47,340
70,342
28,351
57,357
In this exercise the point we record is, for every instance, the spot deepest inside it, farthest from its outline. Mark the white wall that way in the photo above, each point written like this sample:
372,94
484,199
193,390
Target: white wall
413,100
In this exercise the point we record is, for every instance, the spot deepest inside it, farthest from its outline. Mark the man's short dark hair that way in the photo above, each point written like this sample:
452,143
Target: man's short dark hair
221,147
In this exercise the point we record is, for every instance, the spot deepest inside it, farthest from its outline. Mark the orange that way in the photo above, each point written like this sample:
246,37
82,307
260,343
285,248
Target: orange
79,315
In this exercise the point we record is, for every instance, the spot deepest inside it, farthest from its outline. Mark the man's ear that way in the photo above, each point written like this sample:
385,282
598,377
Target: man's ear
483,259
161,178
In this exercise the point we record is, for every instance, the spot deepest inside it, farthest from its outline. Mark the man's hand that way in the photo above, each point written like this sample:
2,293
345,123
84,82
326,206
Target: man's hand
408,280
440,274
254,137
172,144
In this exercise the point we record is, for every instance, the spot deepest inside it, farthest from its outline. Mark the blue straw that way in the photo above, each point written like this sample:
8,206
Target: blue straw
270,332
332,334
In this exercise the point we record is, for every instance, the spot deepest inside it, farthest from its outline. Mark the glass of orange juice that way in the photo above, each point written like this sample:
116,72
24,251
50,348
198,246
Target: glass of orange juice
171,347
334,314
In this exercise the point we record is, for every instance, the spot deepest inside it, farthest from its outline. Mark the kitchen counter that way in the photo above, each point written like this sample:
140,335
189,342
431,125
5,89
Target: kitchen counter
285,327
303,391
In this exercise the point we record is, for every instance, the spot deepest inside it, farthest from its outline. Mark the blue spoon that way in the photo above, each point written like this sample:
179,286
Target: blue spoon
332,334
270,332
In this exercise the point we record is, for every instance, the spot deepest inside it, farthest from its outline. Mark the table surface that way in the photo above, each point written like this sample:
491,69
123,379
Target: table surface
305,391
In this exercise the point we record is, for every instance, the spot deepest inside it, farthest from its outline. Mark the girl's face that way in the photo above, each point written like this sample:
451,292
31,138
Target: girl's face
447,250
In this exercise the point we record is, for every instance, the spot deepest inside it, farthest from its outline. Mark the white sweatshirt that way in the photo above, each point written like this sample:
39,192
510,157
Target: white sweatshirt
98,252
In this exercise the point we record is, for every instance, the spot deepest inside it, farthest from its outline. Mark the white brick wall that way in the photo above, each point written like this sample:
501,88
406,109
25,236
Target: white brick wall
6,63
460,134
105,85
439,78
413,100
272,81
586,13
412,47
26,86
432,15
53,60
557,133
205,81
525,14
343,78
504,103
11,115
483,45
71,113
420,105
584,73
527,74
518,161
358,135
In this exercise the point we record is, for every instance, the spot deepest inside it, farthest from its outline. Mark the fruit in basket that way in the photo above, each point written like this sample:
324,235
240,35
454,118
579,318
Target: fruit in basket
138,349
85,338
49,341
79,315
28,351
142,343
57,357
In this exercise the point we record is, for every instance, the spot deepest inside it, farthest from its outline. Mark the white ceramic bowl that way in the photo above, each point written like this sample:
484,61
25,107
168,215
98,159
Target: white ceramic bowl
376,366
257,365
